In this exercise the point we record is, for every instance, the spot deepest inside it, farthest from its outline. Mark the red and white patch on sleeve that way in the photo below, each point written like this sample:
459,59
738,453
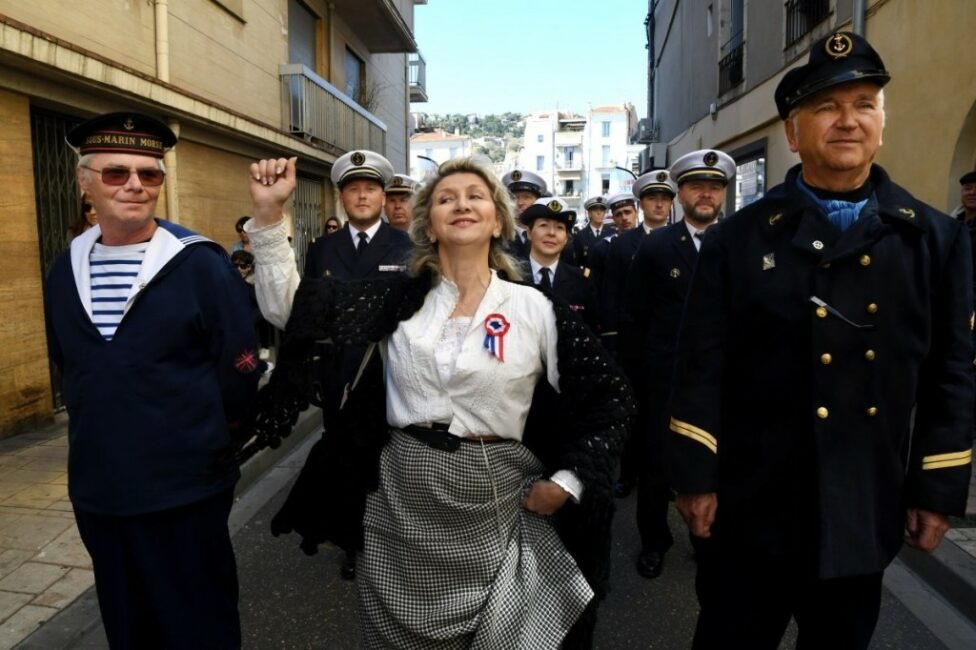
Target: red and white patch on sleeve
246,362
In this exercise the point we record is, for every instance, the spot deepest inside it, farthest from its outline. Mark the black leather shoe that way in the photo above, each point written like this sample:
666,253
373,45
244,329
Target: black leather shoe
348,571
650,564
621,490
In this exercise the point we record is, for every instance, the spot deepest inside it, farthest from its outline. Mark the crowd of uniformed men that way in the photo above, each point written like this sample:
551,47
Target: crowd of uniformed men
803,368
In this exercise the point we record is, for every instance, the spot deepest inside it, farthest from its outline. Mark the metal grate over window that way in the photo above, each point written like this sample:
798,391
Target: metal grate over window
802,16
307,218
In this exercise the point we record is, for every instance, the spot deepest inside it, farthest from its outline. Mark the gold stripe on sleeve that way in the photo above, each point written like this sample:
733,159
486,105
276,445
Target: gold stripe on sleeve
696,434
954,459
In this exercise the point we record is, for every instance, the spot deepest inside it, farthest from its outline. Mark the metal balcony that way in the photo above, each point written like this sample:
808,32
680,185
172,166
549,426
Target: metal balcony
418,78
802,16
730,73
323,115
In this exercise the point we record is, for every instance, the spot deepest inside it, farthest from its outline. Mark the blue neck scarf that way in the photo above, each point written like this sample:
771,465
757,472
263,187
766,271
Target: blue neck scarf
842,214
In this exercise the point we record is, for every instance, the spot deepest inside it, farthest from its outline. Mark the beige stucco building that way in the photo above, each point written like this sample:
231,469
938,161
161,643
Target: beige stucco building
236,79
715,64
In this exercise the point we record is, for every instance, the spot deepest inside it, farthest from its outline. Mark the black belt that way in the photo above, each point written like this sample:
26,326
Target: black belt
437,436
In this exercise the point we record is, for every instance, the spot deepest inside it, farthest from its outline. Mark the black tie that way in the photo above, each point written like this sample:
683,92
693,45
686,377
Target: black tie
361,246
597,233
545,283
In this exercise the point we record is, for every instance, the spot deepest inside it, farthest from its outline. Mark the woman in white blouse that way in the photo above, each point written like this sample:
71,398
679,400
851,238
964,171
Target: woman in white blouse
460,550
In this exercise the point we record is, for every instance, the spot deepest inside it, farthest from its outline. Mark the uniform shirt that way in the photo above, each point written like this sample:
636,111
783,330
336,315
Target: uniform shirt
484,395
694,231
537,271
370,232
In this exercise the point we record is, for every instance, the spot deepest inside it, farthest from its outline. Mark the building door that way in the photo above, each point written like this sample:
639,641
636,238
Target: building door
307,219
57,196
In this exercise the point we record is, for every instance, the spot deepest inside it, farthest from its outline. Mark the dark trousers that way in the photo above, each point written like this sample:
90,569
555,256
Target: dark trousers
166,579
653,492
747,599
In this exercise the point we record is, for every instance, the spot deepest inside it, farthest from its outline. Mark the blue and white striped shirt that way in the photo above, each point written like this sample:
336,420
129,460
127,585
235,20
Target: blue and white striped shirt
113,271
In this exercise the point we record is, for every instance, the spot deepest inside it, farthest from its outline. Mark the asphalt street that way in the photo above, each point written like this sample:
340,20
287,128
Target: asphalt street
289,600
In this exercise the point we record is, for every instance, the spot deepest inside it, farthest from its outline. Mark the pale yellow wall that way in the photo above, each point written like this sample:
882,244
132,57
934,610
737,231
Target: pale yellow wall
121,30
926,47
213,190
25,394
217,56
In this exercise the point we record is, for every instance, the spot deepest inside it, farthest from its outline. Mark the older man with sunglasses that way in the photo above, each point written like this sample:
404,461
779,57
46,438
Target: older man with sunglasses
151,328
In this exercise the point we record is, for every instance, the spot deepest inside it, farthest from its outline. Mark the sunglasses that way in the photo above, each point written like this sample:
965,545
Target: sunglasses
242,265
116,176
331,228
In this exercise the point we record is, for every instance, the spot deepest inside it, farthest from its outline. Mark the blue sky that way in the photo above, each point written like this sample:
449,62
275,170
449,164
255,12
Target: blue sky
530,55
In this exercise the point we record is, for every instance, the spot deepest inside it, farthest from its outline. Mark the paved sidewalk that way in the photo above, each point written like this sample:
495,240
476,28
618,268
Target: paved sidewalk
43,564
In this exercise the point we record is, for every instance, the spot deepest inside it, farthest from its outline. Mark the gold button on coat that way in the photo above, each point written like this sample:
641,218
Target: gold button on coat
865,260
825,358
873,308
869,355
822,413
872,411
822,312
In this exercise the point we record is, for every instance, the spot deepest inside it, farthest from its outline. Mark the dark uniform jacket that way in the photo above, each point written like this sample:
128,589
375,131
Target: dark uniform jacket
623,247
573,287
335,256
802,354
654,299
585,240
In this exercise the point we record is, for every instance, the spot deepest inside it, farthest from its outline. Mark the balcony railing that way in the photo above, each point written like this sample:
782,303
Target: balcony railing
322,114
418,78
730,66
802,16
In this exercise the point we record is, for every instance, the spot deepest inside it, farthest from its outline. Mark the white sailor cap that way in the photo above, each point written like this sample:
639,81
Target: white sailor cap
548,208
705,164
402,184
658,180
595,202
361,164
621,198
523,180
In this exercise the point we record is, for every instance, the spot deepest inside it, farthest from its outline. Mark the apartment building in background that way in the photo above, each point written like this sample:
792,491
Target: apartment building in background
237,80
582,155
713,66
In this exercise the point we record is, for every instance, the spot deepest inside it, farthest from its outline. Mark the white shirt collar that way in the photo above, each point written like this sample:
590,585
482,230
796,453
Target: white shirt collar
537,271
370,232
691,231
647,229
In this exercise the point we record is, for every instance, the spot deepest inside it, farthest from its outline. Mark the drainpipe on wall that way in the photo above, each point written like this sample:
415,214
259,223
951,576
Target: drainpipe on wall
172,195
860,9
162,40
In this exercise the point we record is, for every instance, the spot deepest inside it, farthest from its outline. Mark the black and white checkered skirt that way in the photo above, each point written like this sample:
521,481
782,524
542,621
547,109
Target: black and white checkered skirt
451,558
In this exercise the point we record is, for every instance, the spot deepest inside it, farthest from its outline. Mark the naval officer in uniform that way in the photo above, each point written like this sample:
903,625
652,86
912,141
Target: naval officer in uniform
526,188
653,301
822,405
399,192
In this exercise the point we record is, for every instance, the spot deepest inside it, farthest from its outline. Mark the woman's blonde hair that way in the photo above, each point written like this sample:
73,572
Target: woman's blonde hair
424,256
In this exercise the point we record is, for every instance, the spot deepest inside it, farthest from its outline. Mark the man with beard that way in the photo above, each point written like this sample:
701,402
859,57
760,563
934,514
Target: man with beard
822,402
526,188
399,192
653,301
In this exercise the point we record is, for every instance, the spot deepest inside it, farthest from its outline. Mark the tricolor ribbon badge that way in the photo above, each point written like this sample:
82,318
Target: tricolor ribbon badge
496,327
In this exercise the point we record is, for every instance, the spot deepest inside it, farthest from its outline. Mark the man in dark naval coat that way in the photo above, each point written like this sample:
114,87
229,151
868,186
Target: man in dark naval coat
526,188
822,404
653,301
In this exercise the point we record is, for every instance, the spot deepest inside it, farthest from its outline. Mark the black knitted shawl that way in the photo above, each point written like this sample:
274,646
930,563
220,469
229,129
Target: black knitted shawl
586,423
